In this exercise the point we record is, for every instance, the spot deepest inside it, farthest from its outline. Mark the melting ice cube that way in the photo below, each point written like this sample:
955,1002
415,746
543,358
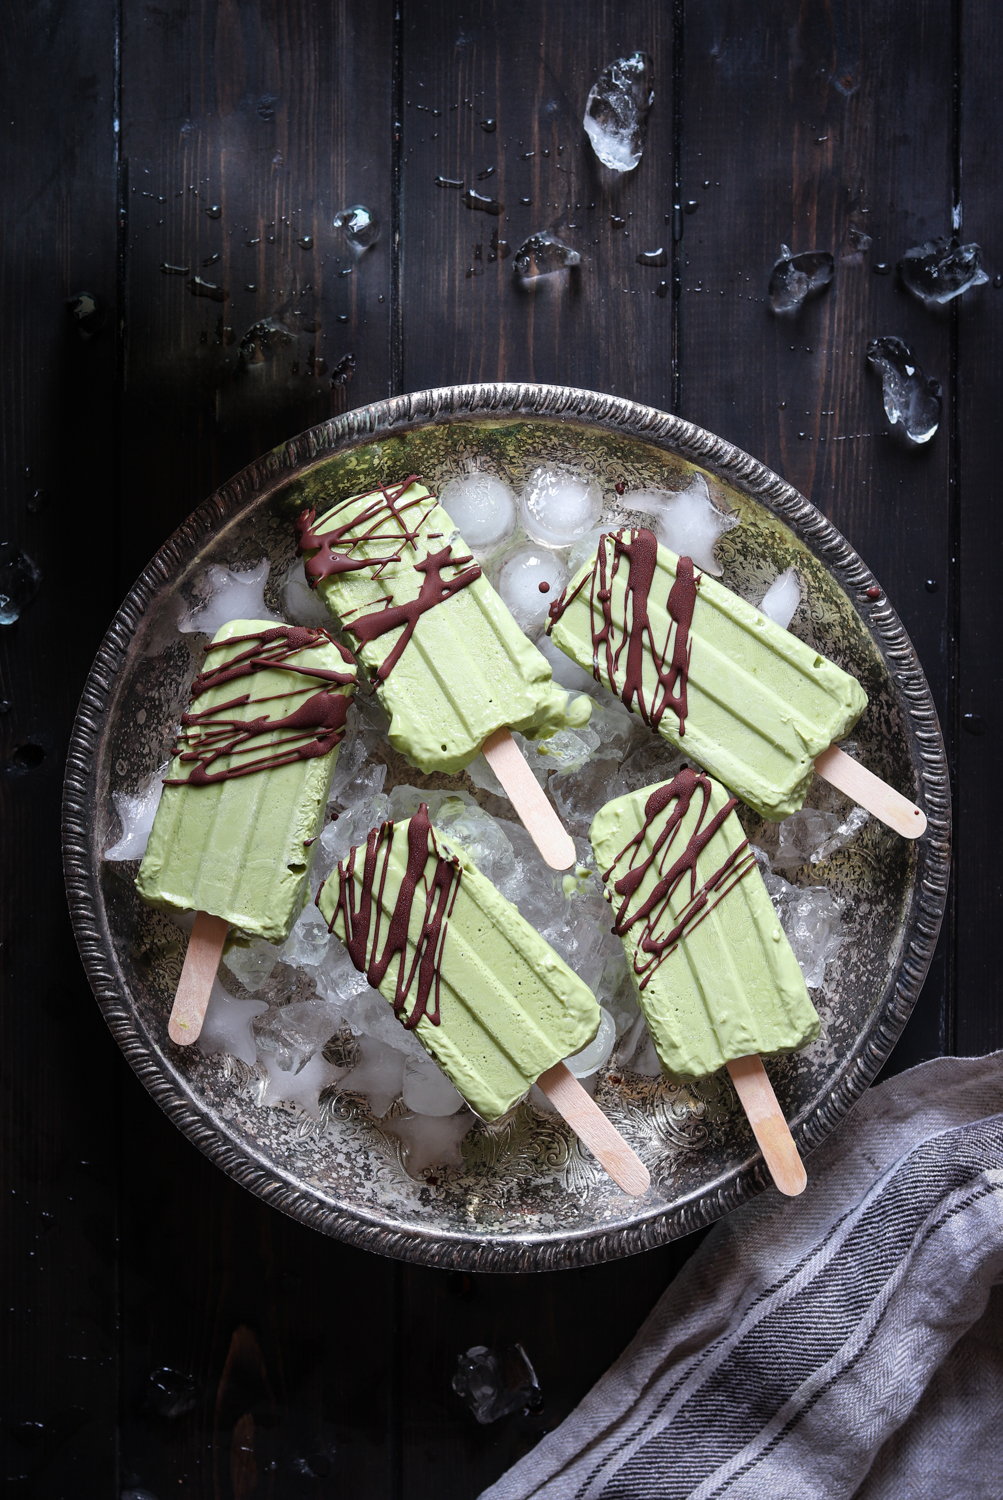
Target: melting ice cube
495,1384
941,269
687,521
529,582
302,604
481,507
557,508
359,225
136,811
542,255
430,1140
427,1090
227,1025
302,1088
782,598
616,111
912,399
232,596
19,580
795,277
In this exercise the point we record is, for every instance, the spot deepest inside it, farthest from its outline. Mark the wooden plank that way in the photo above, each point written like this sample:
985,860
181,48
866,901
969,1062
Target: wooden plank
978,882
246,129
811,126
58,1092
529,67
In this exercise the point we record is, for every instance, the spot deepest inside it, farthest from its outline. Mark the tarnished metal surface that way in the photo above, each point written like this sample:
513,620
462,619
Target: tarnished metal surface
527,1197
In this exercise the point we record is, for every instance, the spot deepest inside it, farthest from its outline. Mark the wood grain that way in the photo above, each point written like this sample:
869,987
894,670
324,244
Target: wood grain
869,791
582,1113
529,800
773,1136
202,956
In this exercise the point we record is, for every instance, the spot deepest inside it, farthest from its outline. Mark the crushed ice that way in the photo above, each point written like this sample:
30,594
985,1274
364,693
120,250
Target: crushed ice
686,521
540,257
912,400
232,596
795,278
811,918
941,270
495,1384
136,811
616,111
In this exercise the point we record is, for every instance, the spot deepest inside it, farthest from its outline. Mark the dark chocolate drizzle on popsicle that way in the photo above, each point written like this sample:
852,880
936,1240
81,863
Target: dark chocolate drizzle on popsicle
313,728
672,869
671,658
440,877
385,520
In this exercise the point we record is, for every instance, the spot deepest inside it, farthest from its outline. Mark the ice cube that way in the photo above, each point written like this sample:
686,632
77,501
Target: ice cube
427,1090
302,604
531,578
232,596
558,507
431,1140
136,811
810,917
912,400
782,598
481,507
479,835
19,581
495,1384
294,1033
379,1072
251,962
227,1025
796,277
359,225
941,269
591,1058
801,835
616,111
541,256
841,836
652,762
686,521
578,795
565,672
308,942
302,1088
564,751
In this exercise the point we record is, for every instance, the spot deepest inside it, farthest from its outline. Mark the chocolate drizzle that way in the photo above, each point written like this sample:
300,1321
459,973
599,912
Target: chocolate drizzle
385,520
311,729
653,912
357,904
671,658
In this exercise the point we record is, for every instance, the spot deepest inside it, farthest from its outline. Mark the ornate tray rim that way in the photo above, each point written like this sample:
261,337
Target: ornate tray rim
256,1171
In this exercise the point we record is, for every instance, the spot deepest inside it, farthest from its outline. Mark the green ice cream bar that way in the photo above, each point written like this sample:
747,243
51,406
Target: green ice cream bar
714,972
245,793
449,663
484,994
746,700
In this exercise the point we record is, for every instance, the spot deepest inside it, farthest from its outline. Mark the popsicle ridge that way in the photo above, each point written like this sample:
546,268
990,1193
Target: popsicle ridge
660,936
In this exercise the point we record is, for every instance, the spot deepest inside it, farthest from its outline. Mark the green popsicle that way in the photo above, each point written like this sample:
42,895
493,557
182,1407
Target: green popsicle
245,793
715,974
748,701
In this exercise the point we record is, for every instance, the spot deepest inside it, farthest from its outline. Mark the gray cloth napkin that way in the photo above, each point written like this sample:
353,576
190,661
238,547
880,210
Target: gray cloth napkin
845,1343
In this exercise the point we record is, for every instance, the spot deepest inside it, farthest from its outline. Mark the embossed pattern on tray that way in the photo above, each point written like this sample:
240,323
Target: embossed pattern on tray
528,1197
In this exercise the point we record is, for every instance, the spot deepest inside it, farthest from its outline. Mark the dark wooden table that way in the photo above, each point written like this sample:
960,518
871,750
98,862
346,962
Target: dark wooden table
221,136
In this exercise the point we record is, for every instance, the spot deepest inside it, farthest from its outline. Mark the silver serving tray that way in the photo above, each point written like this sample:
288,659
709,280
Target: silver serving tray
527,1197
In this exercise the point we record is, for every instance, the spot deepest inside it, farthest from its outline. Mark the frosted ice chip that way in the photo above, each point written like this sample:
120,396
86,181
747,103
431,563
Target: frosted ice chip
232,596
531,578
941,269
782,598
359,225
912,400
797,277
481,507
427,1090
556,507
227,1025
616,111
686,521
430,1140
591,1058
136,811
540,256
302,604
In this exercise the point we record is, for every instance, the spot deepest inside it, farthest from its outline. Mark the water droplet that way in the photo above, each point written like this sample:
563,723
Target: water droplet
485,205
211,260
213,211
662,289
343,370
342,317
249,286
359,225
5,705
37,500
450,182
88,314
973,724
483,176
489,126
997,282
690,206
169,270
28,757
200,288
617,221
305,242
249,243
346,272
881,268
526,202
265,341
657,257
931,585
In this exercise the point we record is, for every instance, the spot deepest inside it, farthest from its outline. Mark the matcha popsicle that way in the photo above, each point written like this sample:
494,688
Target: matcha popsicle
245,792
748,701
483,992
450,665
715,975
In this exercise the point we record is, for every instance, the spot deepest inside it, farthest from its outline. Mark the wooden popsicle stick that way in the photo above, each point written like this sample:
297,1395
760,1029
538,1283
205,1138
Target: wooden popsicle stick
591,1126
755,1093
849,776
529,800
205,949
